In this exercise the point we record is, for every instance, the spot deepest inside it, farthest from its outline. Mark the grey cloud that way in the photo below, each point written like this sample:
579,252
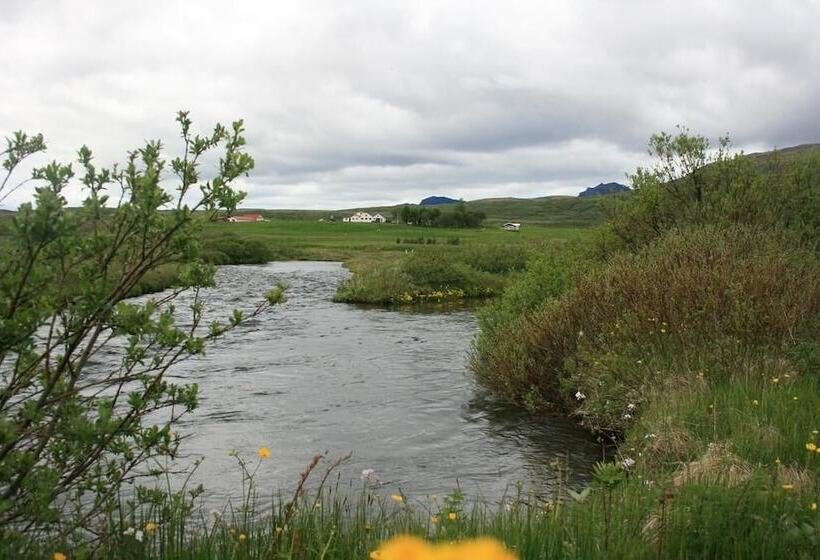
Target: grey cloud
371,102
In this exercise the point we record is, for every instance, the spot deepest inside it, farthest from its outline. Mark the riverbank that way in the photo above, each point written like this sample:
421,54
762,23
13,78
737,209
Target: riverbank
690,337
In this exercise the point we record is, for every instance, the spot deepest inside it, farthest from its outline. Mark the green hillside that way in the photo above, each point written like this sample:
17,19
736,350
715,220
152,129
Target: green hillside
546,211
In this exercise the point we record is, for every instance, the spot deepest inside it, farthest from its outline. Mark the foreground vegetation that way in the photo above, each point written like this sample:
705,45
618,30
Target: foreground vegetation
623,514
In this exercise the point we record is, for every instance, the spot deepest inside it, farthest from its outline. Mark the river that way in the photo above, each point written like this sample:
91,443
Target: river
389,386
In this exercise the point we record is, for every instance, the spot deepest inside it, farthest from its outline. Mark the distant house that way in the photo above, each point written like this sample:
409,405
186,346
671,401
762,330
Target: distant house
511,226
379,219
361,218
247,218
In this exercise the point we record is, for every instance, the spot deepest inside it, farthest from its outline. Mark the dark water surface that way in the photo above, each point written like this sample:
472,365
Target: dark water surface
390,386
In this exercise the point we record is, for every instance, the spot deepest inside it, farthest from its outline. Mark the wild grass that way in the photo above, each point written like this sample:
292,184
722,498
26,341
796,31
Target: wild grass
632,517
437,274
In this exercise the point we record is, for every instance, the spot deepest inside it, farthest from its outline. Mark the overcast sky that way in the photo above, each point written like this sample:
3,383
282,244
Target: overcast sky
359,103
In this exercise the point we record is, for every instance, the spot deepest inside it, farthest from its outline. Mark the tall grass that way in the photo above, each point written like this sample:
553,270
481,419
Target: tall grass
636,517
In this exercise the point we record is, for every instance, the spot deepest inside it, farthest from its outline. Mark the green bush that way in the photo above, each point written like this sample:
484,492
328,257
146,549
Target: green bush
689,185
234,250
433,269
547,276
496,258
673,298
73,434
378,285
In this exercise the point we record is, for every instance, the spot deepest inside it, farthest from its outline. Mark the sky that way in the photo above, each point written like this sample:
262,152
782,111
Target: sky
361,103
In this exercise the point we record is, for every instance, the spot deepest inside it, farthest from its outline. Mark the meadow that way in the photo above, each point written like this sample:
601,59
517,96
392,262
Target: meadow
395,263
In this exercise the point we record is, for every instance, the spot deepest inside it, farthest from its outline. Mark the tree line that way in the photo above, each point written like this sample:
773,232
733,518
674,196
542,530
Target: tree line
459,217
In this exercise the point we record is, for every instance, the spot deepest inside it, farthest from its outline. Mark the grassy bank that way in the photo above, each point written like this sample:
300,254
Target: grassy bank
690,335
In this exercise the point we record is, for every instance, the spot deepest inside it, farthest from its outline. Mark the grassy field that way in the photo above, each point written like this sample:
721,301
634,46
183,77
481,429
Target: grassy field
362,245
565,211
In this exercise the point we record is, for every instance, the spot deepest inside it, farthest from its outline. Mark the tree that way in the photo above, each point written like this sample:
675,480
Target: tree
72,433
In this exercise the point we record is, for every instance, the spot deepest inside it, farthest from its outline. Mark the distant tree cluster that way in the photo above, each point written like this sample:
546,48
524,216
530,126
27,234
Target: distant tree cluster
459,217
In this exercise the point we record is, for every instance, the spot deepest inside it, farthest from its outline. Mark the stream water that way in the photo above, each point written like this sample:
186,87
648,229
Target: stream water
391,386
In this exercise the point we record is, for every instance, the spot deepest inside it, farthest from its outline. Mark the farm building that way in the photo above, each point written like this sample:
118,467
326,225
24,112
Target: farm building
365,218
246,218
511,226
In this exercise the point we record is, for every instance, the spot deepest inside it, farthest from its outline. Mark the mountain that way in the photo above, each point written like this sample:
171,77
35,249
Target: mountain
435,200
605,188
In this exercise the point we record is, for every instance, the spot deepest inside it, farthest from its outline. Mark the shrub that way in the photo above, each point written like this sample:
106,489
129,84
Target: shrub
438,270
497,258
376,285
691,185
71,433
234,250
547,276
672,300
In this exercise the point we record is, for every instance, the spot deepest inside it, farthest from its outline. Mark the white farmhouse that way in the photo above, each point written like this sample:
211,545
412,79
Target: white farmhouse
511,226
379,219
360,218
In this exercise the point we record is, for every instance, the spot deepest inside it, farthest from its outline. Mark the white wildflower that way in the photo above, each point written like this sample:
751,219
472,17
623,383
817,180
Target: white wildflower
138,535
129,532
628,463
370,476
579,396
627,417
650,436
631,406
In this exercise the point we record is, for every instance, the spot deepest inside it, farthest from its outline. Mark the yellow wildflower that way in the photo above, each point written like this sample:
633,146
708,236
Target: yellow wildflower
775,380
150,526
452,516
755,402
403,548
397,498
263,452
813,506
482,549
278,530
787,487
58,556
434,519
811,446
794,398
242,536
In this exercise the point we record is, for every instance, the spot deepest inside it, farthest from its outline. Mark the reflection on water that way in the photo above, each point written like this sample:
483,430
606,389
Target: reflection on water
390,386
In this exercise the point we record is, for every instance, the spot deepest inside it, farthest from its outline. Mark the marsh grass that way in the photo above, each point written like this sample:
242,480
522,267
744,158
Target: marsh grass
434,273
